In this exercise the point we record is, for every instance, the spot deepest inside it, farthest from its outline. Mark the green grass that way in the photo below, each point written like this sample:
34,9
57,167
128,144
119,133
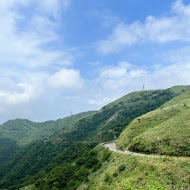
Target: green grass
132,172
163,131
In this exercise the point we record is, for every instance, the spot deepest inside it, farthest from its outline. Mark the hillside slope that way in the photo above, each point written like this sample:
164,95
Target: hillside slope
128,172
60,164
163,131
16,134
112,118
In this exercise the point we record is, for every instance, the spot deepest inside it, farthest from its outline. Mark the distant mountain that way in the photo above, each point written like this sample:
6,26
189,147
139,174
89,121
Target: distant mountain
18,133
165,130
24,132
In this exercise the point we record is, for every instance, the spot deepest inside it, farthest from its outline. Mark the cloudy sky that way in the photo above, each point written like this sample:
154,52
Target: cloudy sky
58,56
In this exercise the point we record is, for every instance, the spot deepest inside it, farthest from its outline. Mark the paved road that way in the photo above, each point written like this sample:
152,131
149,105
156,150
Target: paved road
112,148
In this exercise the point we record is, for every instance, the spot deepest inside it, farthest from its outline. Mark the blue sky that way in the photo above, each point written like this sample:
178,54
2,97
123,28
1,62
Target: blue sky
58,56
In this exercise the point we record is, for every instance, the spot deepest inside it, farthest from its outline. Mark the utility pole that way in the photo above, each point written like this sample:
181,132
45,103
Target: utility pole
143,87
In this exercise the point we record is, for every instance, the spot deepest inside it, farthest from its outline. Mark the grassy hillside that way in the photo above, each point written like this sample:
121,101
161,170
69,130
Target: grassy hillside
16,134
163,131
133,172
113,117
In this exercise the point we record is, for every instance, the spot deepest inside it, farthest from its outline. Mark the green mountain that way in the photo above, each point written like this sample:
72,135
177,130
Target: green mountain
61,162
16,134
24,132
113,118
165,130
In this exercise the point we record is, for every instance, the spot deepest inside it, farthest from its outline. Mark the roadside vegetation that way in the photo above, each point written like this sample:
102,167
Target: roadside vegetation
163,131
134,172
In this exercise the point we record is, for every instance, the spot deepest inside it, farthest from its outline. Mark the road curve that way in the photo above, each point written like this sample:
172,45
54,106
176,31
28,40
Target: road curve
112,147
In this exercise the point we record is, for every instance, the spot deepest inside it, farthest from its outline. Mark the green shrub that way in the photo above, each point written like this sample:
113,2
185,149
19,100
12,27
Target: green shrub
107,178
115,174
106,154
122,167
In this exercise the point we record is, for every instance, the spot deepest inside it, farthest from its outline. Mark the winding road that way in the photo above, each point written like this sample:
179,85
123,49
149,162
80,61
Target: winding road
112,147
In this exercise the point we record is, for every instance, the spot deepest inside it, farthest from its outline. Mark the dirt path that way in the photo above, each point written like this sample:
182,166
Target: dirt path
112,148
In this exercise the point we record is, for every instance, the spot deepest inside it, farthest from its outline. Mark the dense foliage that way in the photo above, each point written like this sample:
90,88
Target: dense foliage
17,134
67,170
8,148
79,161
28,163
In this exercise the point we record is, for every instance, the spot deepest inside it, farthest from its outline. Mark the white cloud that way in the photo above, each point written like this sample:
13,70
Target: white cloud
100,100
105,17
174,74
53,7
121,70
23,44
154,29
25,87
17,97
26,66
25,60
120,76
66,79
117,81
26,90
113,72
